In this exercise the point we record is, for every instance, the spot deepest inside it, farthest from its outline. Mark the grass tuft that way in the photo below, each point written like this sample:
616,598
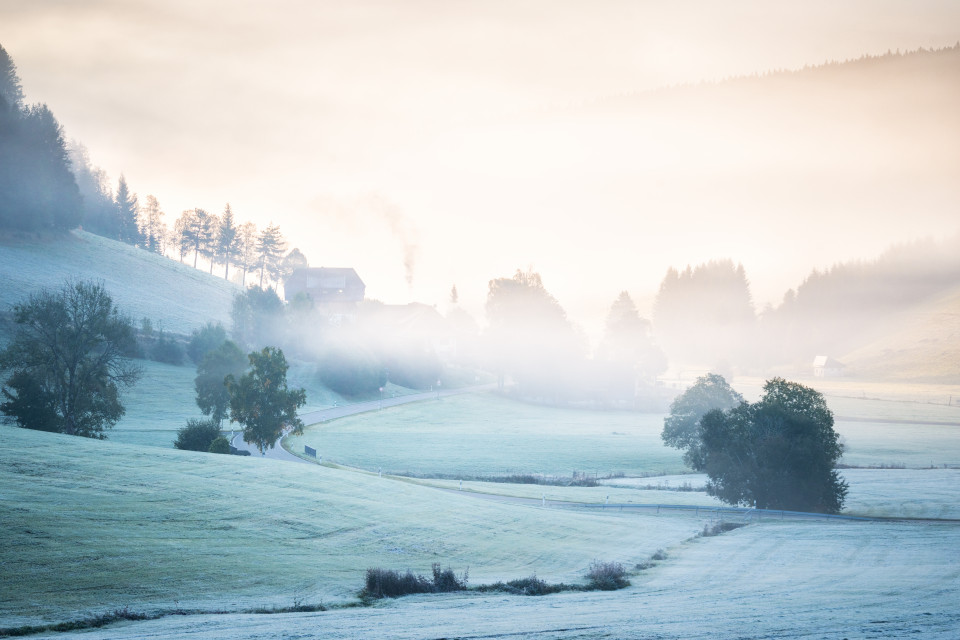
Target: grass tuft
607,576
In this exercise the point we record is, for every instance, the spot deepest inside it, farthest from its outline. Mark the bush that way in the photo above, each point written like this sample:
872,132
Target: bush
607,576
219,445
198,435
446,581
387,583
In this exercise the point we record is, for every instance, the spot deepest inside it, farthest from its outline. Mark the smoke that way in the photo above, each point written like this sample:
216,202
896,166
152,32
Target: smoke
402,229
357,215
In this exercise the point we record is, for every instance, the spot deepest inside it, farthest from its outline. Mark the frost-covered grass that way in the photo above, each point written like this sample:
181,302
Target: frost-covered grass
887,443
93,526
775,580
175,297
484,434
487,435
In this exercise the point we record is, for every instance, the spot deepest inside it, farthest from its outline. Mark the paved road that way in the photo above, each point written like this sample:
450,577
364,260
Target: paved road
343,410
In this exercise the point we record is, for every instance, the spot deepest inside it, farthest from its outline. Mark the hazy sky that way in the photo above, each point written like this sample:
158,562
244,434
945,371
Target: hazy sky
392,137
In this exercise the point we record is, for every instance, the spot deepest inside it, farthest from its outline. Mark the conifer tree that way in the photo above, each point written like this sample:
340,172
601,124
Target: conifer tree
226,249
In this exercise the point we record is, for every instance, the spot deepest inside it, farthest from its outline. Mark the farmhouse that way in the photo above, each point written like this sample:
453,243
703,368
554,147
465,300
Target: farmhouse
335,292
827,367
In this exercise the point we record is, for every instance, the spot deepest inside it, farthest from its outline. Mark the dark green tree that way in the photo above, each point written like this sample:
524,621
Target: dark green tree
128,212
11,92
67,361
213,398
261,401
681,428
778,453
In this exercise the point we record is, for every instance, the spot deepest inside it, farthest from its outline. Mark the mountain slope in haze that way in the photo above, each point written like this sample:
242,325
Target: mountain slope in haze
175,297
921,344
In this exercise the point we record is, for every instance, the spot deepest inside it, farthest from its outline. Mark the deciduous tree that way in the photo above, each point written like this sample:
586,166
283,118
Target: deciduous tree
213,398
261,401
67,361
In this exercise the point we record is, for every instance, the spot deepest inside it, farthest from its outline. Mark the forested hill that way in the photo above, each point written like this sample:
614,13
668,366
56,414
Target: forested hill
175,297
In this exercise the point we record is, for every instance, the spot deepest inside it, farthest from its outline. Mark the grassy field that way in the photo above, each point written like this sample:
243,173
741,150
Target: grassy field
493,436
484,435
92,525
174,296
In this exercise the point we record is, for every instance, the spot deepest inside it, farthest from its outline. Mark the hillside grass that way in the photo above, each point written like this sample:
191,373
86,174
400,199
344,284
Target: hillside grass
768,580
175,297
93,526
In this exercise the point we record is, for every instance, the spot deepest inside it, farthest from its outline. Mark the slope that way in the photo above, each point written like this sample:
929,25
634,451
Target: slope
921,344
175,297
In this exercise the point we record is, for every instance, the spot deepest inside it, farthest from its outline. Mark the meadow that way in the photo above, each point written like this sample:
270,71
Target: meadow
475,436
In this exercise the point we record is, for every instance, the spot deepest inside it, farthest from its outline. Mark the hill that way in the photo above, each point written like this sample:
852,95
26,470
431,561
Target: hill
919,344
175,297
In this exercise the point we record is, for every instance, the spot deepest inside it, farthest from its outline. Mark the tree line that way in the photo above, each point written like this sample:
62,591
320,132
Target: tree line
50,185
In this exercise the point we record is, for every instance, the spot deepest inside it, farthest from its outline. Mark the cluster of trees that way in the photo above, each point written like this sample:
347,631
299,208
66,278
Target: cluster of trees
37,189
250,389
531,340
780,452
69,361
48,185
704,314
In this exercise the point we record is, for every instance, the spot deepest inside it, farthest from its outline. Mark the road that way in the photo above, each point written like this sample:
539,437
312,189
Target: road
343,410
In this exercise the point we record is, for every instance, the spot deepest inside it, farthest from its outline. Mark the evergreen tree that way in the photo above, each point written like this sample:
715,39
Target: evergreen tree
269,251
11,93
246,249
152,228
94,185
211,232
128,210
226,243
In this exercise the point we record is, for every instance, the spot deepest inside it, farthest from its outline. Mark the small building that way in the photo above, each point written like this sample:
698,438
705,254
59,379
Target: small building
325,285
335,292
827,367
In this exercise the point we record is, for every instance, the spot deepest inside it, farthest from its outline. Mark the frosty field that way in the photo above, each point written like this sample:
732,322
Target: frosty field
486,435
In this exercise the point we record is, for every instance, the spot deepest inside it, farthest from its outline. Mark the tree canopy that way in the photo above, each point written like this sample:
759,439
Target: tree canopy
261,401
67,361
215,366
778,453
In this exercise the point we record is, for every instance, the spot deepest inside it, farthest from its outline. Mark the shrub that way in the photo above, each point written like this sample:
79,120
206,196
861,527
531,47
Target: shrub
220,445
659,555
387,583
607,576
198,435
446,581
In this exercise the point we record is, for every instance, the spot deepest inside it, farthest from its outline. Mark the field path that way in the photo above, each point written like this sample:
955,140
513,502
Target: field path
344,410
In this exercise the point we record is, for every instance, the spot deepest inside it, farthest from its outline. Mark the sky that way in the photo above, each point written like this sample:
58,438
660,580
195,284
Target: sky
420,141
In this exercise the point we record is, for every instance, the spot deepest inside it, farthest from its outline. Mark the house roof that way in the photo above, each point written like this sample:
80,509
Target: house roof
827,362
